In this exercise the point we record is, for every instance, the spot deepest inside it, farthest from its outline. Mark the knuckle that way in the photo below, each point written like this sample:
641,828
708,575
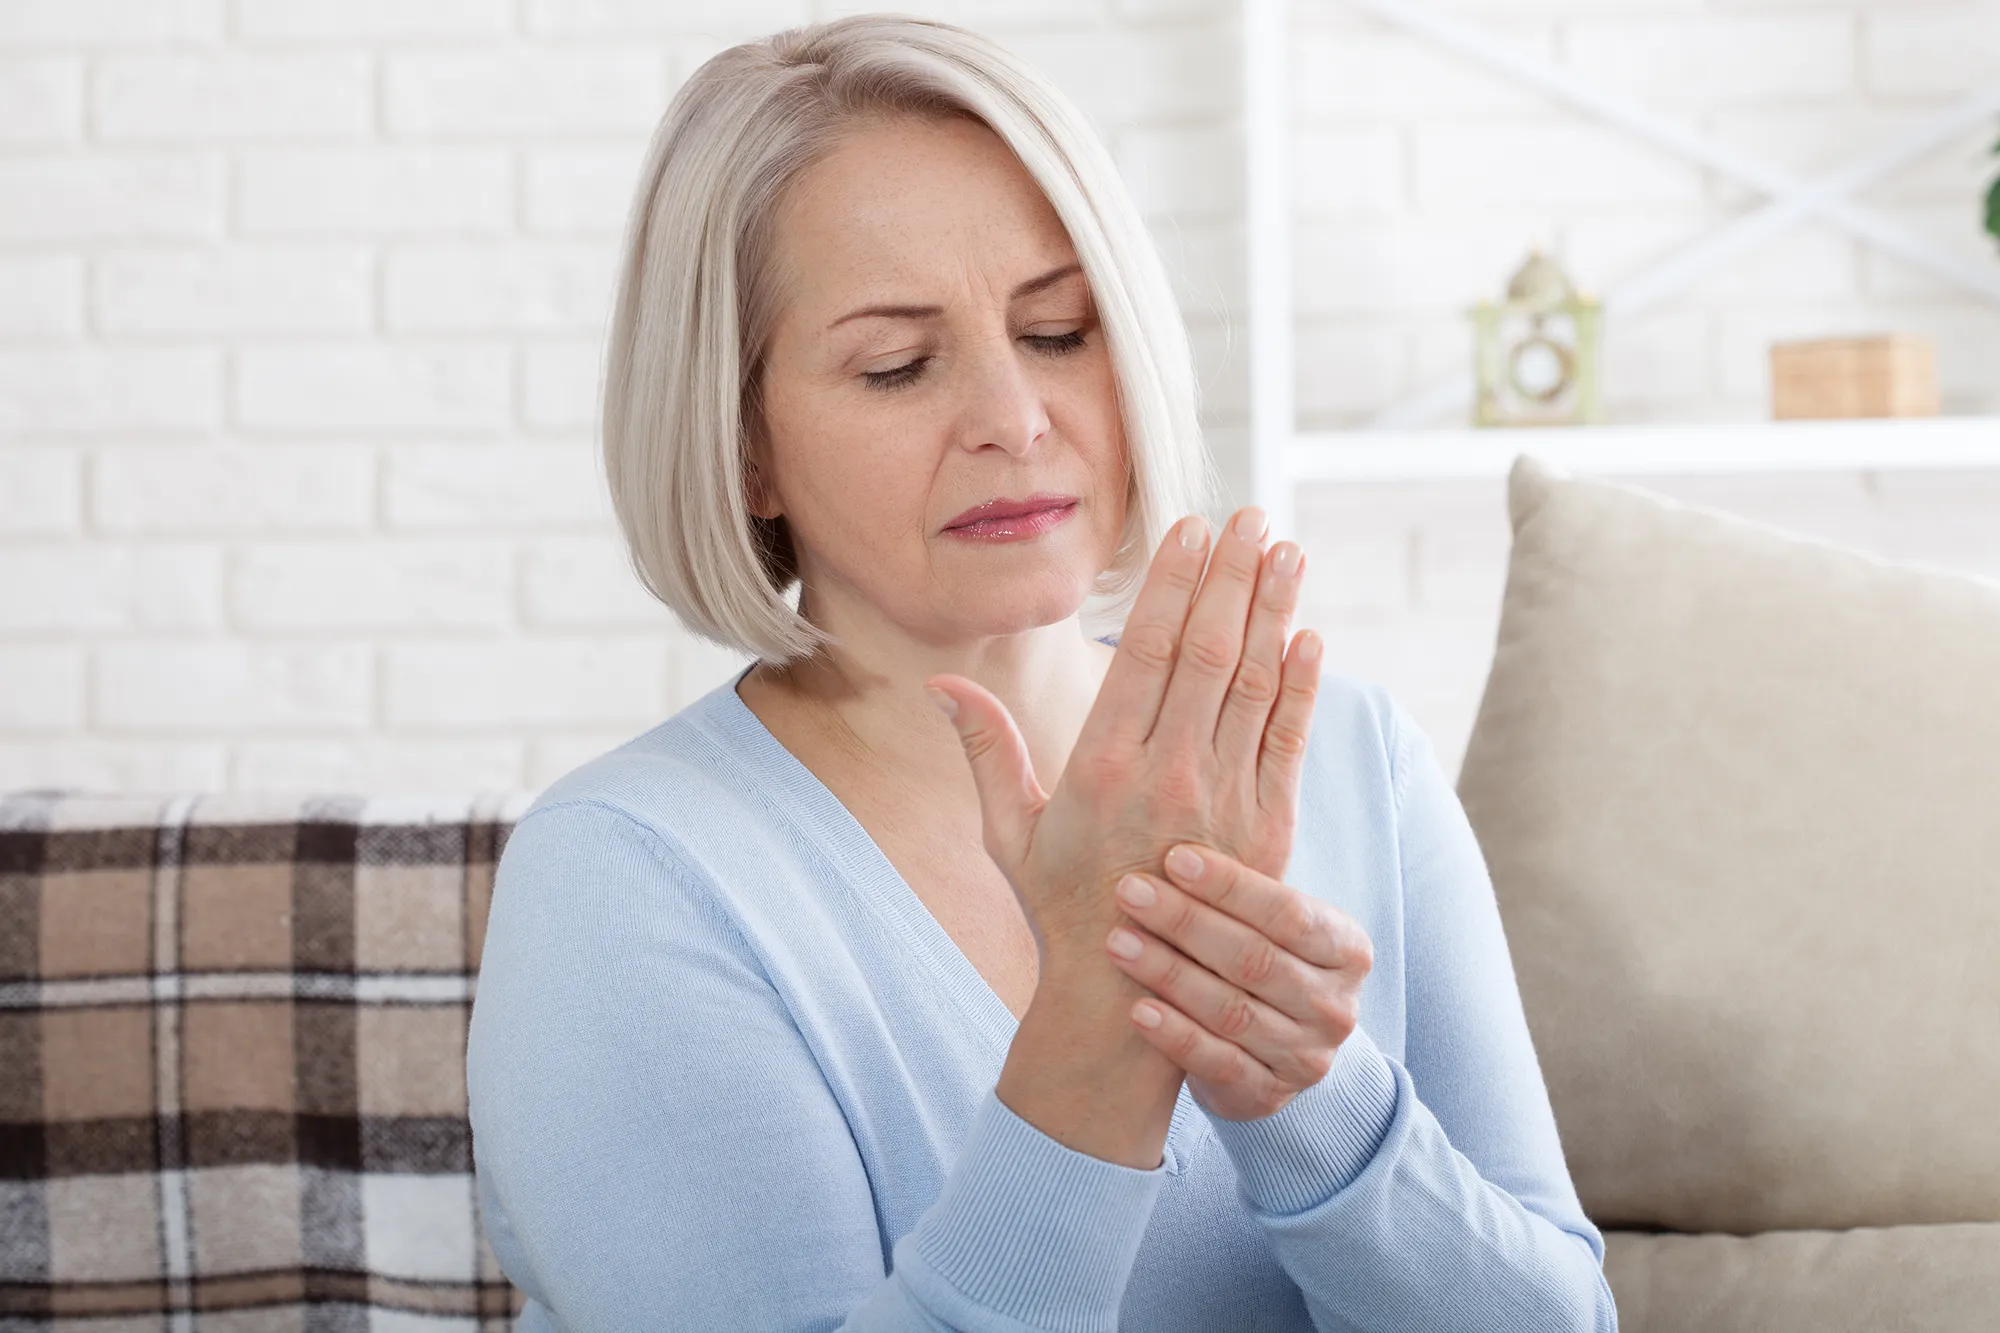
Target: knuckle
1259,963
1151,646
1186,1045
1256,684
1333,1013
1181,573
1359,952
1304,922
1237,1017
1284,740
1211,652
1104,771
1181,921
1350,1018
1224,882
1180,783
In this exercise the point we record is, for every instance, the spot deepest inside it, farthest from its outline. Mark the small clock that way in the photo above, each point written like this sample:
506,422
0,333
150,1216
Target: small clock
1537,351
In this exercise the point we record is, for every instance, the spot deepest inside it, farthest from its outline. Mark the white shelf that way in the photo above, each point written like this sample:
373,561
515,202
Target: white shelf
1695,447
1281,456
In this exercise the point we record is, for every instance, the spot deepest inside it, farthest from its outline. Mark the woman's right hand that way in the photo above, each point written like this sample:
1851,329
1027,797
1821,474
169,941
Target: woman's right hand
1196,735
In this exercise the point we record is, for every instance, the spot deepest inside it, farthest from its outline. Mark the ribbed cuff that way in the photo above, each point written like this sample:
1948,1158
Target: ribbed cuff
1028,1234
1322,1139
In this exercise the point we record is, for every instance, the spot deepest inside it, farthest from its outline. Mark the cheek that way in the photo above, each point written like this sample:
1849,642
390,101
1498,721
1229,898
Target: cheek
850,472
1098,409
1099,436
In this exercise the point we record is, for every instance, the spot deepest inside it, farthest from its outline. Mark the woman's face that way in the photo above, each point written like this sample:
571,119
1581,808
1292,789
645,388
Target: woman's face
936,368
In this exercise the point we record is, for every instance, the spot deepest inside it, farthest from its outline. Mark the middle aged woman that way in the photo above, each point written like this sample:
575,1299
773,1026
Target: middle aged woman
1163,988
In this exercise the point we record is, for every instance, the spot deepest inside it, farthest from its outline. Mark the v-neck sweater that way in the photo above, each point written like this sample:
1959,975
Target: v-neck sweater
726,1071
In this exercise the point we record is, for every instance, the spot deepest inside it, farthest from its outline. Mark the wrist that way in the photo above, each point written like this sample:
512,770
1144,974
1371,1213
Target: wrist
1078,1071
1072,971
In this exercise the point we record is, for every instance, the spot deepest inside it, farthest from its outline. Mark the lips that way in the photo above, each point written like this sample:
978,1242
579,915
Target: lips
1004,508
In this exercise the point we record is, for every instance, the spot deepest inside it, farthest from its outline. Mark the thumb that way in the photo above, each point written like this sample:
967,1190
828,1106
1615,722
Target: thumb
1009,795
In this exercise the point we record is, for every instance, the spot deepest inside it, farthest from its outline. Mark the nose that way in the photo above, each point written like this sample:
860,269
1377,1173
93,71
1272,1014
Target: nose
1003,405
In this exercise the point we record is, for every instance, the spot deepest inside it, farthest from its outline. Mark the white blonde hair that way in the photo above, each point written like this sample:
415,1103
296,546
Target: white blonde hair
696,304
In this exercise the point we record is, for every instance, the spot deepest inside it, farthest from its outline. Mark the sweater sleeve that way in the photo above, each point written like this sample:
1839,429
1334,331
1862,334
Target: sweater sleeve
1431,1192
664,1152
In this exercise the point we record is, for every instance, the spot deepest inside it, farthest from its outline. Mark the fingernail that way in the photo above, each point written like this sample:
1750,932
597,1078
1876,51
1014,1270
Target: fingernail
1309,646
1185,863
1136,891
1123,943
1251,523
946,704
1194,532
1286,560
1145,1015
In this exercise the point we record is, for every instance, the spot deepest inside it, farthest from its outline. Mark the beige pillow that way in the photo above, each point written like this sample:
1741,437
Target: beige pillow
1942,1279
1740,795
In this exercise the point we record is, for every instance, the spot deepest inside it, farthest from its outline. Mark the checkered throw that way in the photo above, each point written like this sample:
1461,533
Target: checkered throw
232,1063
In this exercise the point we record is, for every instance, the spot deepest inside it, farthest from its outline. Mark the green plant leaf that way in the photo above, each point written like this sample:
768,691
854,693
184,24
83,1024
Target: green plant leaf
1993,202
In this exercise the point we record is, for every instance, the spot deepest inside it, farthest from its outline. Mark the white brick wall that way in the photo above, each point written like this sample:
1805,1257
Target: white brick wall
78,196
376,190
217,686
301,311
223,98
1461,170
372,20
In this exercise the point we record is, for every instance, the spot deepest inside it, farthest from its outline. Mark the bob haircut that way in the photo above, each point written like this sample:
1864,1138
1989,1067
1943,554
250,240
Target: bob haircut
695,306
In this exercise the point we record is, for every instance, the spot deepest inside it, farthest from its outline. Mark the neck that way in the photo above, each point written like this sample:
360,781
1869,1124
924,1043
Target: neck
864,693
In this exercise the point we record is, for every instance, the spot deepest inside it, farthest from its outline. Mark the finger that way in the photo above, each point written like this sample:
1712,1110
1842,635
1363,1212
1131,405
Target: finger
1202,1054
1297,923
1254,691
1243,958
1212,643
1273,1039
1128,700
1284,750
1009,794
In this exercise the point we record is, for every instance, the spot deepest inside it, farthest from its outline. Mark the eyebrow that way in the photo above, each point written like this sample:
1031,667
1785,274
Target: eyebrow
1028,288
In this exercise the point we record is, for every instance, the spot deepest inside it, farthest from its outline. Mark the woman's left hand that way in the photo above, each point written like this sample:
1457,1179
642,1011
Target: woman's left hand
1257,984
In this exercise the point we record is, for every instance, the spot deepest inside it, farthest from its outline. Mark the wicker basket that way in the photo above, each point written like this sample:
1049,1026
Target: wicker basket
1893,375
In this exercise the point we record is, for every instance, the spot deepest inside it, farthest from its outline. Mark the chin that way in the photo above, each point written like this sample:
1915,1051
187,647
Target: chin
1018,604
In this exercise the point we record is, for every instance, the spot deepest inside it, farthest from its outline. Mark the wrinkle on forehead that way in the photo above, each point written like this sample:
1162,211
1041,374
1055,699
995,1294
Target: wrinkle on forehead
870,222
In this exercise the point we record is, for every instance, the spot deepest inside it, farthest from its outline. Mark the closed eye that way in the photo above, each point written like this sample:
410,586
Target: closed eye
1054,344
1058,343
897,377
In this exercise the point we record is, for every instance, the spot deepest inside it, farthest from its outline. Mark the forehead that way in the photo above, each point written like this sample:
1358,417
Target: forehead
916,201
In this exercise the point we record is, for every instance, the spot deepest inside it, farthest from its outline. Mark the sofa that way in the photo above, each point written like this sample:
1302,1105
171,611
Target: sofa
1739,792
233,1043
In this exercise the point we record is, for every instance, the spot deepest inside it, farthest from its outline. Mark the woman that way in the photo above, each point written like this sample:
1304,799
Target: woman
811,1008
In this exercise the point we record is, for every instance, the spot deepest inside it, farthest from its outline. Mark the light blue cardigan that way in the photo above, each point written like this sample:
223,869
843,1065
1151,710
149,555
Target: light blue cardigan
727,1072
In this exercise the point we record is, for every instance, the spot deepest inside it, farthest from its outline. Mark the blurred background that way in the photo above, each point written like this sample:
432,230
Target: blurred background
302,308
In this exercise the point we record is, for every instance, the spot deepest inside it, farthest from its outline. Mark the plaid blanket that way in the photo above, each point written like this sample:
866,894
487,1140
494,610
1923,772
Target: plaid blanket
232,1062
